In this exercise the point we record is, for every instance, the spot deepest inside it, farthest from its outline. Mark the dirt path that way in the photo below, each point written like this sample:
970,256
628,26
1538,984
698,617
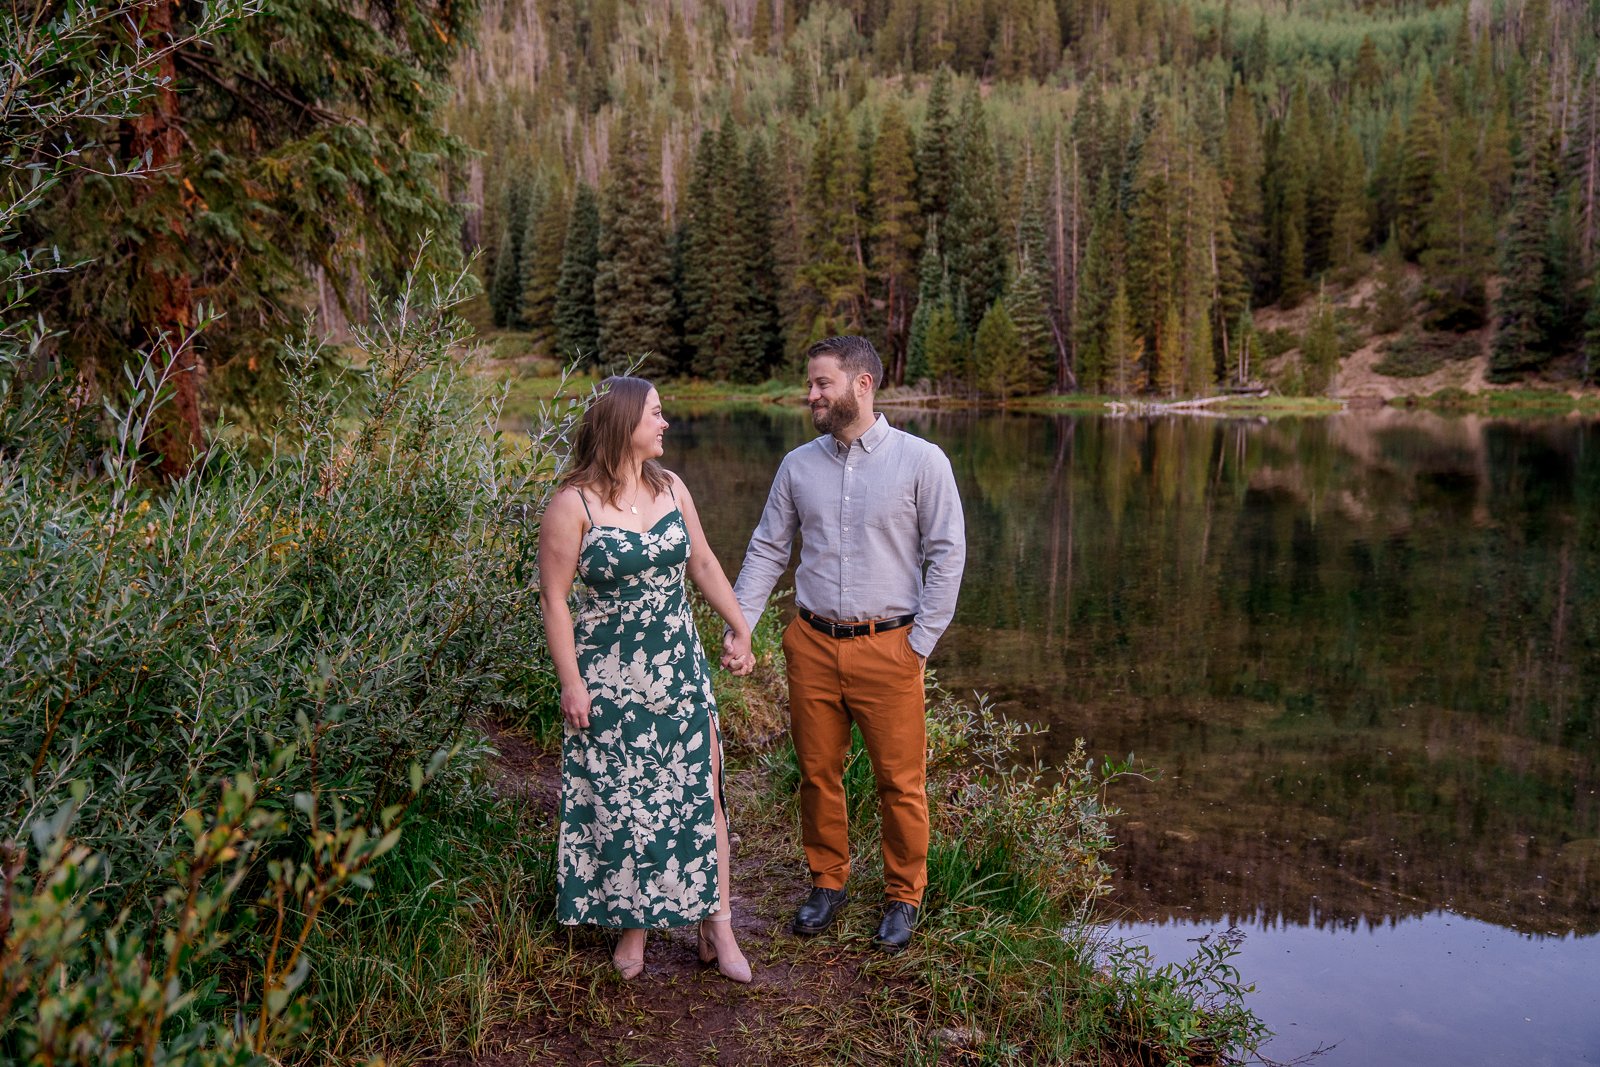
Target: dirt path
801,1008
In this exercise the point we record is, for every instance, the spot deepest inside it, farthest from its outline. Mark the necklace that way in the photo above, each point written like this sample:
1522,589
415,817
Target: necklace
634,506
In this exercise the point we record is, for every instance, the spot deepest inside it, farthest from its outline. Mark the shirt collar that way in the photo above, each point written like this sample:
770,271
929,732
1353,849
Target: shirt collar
870,440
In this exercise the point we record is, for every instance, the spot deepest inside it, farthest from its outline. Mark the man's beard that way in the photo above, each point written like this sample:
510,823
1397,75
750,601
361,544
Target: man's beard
837,415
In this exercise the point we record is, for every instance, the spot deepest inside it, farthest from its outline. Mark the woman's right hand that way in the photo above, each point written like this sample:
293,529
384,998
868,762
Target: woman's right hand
575,706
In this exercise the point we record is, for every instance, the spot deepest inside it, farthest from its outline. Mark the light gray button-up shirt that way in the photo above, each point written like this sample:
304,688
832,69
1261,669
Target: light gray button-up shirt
881,533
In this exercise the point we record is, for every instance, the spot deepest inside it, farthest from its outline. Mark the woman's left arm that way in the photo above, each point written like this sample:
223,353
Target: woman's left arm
707,573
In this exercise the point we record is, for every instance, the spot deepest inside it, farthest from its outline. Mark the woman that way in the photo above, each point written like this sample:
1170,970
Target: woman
644,839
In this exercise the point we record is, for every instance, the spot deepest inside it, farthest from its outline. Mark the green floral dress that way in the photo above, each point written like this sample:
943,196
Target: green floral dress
638,833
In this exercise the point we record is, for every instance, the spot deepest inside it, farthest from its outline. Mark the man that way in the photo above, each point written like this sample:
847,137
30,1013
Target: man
882,548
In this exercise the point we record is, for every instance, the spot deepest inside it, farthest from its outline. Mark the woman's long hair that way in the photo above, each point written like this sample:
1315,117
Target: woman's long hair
605,437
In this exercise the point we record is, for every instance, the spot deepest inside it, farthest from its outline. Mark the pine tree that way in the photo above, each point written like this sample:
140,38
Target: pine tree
576,321
975,247
1100,277
936,151
304,136
1169,375
896,232
1200,367
1458,239
1242,171
1523,312
1391,308
1027,305
1420,162
1591,332
1124,349
505,288
830,281
1350,225
1152,237
715,278
760,333
1292,176
933,288
946,344
1385,185
1001,365
542,250
633,282
1319,348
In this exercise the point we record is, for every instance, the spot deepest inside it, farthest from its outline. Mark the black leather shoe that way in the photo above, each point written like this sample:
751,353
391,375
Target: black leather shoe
818,912
899,918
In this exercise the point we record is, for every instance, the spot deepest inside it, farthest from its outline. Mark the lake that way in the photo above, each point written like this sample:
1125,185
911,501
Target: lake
1363,654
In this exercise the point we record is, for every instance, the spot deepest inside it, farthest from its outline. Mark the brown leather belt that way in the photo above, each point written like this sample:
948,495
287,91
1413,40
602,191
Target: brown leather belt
854,629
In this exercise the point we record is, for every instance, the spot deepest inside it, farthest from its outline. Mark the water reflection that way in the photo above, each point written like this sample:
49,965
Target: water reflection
1434,989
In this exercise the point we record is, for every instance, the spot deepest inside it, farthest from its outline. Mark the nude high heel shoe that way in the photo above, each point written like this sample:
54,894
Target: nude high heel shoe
629,968
735,968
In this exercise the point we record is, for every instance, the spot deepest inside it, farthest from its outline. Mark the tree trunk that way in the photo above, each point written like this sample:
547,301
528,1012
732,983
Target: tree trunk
156,137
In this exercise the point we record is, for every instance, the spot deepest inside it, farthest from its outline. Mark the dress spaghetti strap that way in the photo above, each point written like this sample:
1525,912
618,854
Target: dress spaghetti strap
585,501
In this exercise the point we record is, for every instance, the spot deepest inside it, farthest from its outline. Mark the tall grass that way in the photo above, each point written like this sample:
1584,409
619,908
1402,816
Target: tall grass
222,695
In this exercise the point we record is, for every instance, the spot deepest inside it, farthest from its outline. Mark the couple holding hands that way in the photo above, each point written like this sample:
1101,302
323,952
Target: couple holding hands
644,834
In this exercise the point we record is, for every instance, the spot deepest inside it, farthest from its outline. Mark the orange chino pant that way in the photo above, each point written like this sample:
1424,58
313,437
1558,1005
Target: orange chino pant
876,682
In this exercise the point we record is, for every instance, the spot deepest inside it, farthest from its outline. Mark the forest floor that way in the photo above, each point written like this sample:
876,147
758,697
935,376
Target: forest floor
811,1001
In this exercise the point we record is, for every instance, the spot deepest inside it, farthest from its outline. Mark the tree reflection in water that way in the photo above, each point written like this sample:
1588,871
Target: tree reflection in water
1363,651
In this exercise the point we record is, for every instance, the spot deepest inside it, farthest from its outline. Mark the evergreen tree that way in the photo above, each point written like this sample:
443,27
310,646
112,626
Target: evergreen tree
831,282
1458,240
1385,186
1319,348
1524,314
896,232
304,137
760,333
975,248
576,321
1027,306
505,287
541,266
1419,164
1099,279
1152,271
946,343
1591,332
1349,225
1242,171
933,288
715,280
1200,367
633,282
936,150
1002,367
1169,373
1391,308
1124,350
1292,177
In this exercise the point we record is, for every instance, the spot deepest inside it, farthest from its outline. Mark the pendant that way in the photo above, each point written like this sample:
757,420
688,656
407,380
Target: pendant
633,508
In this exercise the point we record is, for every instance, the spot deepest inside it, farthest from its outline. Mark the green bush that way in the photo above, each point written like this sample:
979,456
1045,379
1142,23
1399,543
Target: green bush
315,625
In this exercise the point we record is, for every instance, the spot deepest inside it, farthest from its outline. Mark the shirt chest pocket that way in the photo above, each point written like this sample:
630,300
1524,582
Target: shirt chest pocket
894,510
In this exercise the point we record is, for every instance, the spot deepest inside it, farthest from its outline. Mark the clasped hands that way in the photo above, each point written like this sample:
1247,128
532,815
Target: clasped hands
736,655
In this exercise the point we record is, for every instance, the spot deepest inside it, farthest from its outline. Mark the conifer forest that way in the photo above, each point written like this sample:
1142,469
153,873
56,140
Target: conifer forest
1021,196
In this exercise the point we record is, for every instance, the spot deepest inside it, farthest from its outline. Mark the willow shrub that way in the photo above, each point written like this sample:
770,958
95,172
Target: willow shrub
220,696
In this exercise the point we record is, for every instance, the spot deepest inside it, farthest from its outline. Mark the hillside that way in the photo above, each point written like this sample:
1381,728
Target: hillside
1022,196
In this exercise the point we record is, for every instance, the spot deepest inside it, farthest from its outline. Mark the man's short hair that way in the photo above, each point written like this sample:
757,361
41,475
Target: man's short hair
855,355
